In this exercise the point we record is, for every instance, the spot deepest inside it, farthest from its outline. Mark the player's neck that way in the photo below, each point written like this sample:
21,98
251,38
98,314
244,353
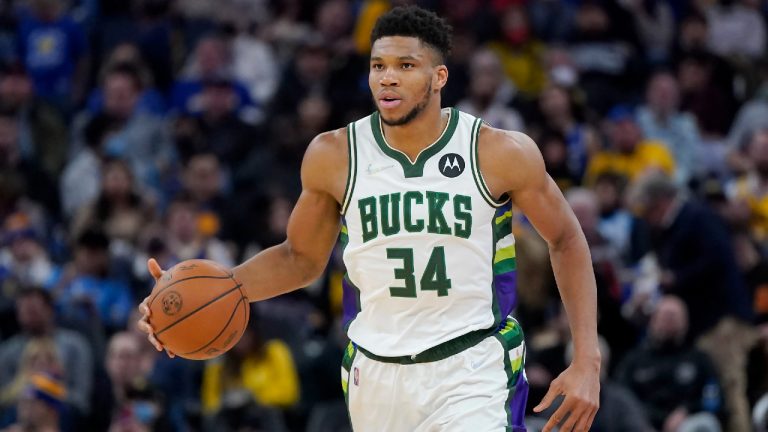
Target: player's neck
419,133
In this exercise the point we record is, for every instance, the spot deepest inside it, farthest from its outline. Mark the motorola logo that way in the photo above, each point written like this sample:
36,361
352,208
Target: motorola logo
451,165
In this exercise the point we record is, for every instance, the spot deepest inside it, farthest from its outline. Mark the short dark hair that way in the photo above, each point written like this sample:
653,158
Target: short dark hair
36,291
413,21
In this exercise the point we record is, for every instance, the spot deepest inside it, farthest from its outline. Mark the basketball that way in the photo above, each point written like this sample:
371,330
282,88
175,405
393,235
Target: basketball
198,310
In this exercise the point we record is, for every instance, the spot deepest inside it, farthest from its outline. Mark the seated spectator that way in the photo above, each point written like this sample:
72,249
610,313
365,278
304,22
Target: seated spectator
698,264
39,357
42,130
141,139
34,183
151,101
80,182
674,381
262,371
629,154
705,95
119,209
559,113
661,119
491,93
211,60
554,150
751,189
41,406
87,290
736,28
23,256
35,313
54,50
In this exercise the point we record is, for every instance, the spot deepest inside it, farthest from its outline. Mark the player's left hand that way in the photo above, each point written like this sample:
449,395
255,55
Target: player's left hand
580,384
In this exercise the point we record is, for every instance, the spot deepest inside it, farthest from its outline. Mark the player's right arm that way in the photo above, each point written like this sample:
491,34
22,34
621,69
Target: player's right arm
313,229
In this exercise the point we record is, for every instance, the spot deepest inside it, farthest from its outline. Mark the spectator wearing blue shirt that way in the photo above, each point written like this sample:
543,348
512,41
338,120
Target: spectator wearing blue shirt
53,49
86,290
661,119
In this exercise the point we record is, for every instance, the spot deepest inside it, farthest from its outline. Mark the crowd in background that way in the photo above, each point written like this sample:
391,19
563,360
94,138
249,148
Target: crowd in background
175,129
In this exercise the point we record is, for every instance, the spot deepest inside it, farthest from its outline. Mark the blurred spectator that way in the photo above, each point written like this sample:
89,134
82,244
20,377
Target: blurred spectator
751,117
559,113
151,101
53,50
751,189
491,93
39,357
692,35
253,370
604,52
80,182
87,289
703,96
660,119
35,313
190,233
555,153
698,264
140,139
224,131
552,20
23,256
675,382
753,262
521,54
33,183
42,131
40,406
736,28
119,210
628,154
211,61
655,25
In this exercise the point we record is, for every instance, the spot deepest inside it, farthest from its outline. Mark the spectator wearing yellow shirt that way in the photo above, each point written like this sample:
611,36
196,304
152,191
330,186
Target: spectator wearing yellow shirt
629,154
263,369
749,193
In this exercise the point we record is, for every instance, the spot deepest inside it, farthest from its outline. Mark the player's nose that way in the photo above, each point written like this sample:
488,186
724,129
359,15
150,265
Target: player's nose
389,78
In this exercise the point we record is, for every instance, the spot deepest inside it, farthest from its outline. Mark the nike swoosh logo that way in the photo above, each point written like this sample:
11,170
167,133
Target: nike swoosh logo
373,170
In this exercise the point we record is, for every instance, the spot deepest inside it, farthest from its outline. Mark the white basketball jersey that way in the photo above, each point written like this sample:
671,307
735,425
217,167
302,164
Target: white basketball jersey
429,253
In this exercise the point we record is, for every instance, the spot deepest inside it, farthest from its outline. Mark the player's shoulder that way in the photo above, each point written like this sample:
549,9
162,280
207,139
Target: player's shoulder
327,147
507,147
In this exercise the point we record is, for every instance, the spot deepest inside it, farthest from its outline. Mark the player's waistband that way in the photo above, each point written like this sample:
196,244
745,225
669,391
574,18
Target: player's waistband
438,352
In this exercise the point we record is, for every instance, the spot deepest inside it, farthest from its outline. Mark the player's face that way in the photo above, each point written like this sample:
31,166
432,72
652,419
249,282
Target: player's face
404,75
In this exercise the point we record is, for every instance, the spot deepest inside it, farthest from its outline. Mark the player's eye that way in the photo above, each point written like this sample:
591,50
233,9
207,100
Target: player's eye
377,66
407,65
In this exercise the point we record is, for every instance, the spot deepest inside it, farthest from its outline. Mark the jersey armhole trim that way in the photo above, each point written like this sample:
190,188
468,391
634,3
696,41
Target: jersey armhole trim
475,163
351,167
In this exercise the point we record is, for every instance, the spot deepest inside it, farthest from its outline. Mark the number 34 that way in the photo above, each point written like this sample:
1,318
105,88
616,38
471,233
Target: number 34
433,278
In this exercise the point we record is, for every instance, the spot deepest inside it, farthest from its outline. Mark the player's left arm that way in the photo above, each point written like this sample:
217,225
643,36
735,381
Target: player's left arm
512,163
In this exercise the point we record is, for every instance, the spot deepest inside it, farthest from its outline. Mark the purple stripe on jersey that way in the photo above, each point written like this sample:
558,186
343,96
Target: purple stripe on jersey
506,286
517,404
349,301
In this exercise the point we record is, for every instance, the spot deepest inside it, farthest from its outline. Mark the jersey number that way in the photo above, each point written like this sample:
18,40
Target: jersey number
433,279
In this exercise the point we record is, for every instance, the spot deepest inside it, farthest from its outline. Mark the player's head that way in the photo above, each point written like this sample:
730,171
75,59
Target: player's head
408,54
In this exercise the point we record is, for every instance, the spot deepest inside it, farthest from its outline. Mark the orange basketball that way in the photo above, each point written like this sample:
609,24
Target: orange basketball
198,310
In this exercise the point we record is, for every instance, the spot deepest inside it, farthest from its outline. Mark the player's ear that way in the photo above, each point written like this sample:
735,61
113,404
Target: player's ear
440,77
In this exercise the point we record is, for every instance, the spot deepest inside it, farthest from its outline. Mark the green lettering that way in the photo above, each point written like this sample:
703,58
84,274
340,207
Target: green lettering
390,216
462,206
368,218
408,201
435,203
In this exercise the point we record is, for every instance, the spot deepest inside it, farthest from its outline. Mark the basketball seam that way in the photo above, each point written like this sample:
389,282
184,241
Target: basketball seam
231,316
213,300
186,279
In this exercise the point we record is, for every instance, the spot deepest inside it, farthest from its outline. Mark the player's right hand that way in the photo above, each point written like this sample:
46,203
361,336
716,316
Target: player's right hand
143,324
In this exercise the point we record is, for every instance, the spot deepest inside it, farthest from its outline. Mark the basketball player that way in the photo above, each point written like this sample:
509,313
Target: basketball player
422,197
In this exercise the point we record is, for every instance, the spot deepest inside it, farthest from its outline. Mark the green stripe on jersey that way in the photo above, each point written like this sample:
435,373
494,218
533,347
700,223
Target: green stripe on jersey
504,254
505,266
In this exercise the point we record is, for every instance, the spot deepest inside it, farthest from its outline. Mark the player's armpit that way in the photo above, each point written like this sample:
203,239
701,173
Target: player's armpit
313,227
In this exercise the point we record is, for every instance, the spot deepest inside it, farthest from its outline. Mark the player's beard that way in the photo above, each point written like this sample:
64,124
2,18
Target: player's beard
412,114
